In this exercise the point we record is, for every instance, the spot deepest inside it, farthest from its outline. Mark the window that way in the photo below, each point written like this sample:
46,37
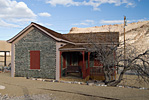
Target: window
34,59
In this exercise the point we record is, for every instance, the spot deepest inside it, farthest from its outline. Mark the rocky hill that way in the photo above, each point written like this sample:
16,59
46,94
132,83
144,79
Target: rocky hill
137,34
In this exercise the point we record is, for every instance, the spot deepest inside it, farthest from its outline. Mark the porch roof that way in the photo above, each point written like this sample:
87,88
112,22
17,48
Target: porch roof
70,47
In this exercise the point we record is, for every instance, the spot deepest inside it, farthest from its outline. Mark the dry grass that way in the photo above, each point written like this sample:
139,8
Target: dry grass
133,80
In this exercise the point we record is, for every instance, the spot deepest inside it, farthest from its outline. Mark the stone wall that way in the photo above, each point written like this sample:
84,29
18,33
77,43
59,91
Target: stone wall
35,40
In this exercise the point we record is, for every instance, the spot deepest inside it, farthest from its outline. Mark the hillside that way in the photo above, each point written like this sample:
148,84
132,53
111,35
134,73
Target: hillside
137,34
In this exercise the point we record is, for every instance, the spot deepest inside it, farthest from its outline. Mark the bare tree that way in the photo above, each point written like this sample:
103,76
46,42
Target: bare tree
111,55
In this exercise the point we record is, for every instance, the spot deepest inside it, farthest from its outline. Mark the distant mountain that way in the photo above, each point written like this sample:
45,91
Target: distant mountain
137,34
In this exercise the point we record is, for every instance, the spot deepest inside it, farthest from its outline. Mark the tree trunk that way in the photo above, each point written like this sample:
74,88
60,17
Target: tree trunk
116,82
106,75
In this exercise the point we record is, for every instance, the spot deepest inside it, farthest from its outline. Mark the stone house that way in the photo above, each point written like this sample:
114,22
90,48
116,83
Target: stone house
37,51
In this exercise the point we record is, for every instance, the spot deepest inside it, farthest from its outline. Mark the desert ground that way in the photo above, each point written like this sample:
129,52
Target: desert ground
26,89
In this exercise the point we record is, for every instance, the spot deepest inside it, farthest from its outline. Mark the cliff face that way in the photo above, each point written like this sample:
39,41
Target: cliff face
137,34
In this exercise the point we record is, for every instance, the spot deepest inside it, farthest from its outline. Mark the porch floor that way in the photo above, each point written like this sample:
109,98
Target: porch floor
72,77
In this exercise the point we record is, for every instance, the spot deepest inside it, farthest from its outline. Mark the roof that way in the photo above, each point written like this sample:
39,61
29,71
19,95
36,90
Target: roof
76,41
96,37
57,36
85,41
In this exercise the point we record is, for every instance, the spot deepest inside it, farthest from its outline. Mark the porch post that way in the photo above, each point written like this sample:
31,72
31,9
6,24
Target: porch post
64,60
70,59
60,63
88,59
83,69
5,55
115,66
89,63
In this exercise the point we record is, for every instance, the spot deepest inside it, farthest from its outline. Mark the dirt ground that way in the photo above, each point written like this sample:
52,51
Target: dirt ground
19,86
134,80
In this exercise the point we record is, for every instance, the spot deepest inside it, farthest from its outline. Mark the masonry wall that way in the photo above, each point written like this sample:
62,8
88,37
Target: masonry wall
35,40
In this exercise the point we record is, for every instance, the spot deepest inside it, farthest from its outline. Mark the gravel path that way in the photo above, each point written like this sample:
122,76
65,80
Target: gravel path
27,97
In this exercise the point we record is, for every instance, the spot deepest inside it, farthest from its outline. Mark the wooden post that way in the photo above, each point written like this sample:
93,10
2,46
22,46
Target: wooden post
60,63
70,59
64,60
88,59
89,62
83,69
5,55
124,41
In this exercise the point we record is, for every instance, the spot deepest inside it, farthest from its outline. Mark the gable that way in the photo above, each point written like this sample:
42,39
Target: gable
34,36
48,32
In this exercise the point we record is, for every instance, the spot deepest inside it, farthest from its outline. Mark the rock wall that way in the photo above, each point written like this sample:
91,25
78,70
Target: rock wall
35,40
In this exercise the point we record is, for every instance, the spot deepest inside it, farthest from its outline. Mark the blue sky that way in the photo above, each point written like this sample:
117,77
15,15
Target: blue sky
62,15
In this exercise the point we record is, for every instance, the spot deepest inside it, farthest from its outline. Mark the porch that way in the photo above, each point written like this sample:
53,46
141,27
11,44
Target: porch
80,65
74,63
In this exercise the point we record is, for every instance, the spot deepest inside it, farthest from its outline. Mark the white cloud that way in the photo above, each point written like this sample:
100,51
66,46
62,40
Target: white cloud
44,24
13,11
111,21
85,22
144,19
63,2
89,21
94,3
5,24
44,14
15,20
120,21
115,21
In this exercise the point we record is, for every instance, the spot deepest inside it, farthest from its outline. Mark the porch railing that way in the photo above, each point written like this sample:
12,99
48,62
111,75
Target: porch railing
97,73
98,70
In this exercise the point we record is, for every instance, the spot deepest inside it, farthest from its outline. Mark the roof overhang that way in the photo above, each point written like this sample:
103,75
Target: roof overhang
73,49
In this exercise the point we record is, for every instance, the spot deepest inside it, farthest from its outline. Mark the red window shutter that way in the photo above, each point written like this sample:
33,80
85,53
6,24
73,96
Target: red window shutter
34,59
